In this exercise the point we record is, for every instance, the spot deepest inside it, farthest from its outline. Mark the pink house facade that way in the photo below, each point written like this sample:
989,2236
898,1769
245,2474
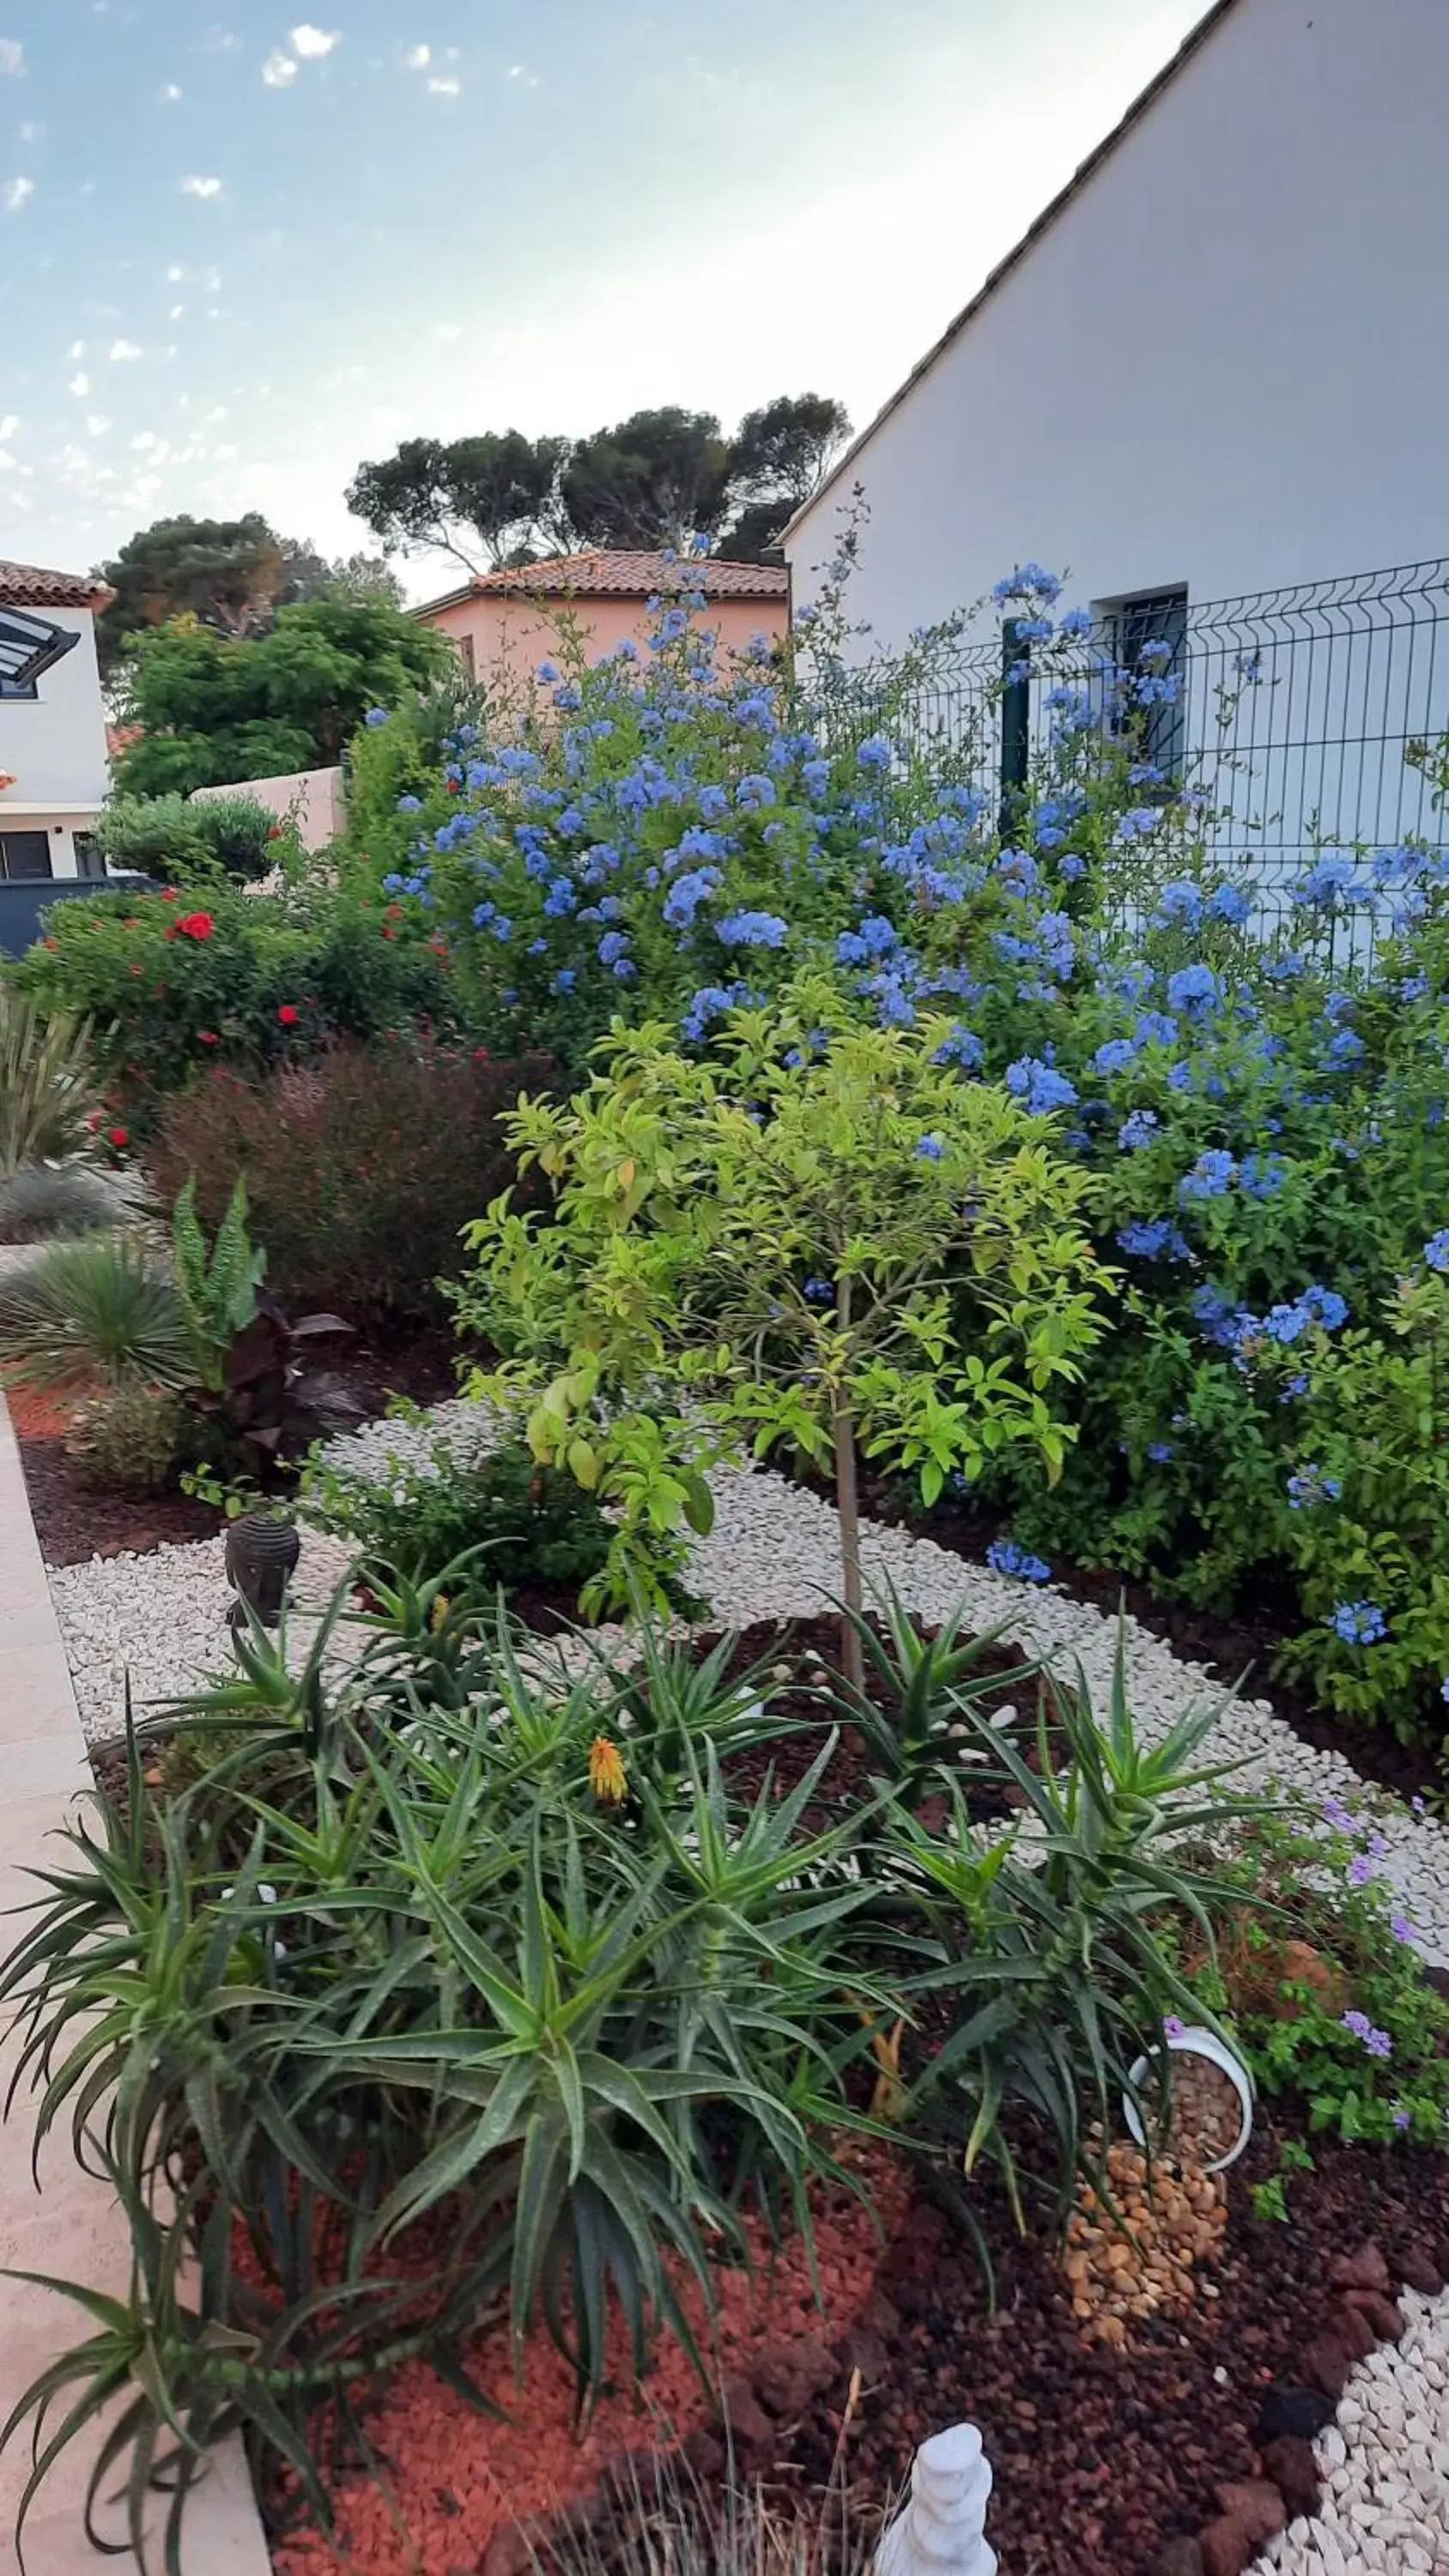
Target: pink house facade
504,623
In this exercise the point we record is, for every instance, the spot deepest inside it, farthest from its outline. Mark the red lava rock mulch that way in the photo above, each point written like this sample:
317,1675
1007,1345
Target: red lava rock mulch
455,2479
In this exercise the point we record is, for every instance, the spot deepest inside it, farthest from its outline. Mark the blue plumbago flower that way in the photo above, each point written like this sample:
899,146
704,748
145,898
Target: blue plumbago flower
376,716
1379,2044
548,672
1326,1307
1229,903
819,1292
1005,1557
1115,1055
565,980
1359,1623
1159,1451
1075,621
876,937
1436,1250
1344,1047
1028,581
1148,1238
1071,867
687,894
1193,988
1154,1028
613,947
1262,1175
1135,825
708,1004
1210,1178
875,753
1180,902
931,1149
1309,1486
1033,630
753,930
1322,885
1039,1085
755,791
410,804
962,1047
1137,1130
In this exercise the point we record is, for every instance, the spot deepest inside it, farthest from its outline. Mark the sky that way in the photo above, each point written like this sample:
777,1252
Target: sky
241,250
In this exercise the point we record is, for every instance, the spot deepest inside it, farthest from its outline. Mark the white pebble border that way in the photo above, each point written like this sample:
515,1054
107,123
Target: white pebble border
1384,2464
773,1554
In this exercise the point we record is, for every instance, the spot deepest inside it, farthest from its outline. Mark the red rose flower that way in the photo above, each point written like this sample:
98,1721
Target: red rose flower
208,1037
289,1015
275,833
195,925
118,1136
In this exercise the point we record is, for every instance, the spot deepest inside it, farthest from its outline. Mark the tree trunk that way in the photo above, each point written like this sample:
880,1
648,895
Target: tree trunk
847,1504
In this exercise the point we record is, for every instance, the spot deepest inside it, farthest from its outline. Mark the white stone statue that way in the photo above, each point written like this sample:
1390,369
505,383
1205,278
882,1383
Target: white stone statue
941,2530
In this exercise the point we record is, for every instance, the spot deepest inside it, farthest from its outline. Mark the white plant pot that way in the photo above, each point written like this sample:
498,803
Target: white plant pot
1197,2042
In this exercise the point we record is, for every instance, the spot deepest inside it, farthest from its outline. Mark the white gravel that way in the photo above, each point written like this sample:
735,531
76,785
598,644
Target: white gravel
772,1554
1384,2464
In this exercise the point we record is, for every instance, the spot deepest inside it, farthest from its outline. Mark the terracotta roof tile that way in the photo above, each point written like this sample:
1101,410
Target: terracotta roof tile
31,586
601,574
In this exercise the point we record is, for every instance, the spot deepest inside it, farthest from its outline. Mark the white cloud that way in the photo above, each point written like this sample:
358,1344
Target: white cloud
445,88
97,424
224,455
168,95
175,274
515,71
447,331
123,351
77,349
175,312
15,194
203,188
30,132
313,42
80,386
279,71
418,57
9,425
12,57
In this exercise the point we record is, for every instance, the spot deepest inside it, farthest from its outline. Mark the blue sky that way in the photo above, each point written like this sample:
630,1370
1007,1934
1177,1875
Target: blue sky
241,249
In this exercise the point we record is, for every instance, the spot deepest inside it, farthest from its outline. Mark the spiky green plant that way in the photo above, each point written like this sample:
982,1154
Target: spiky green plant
216,1284
93,1313
49,1202
47,1089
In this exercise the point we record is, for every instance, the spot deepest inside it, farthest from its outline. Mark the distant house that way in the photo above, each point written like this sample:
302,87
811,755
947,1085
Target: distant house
53,779
506,622
1218,362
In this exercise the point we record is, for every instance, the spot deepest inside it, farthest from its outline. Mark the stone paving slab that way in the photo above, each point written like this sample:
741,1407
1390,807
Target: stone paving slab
68,2224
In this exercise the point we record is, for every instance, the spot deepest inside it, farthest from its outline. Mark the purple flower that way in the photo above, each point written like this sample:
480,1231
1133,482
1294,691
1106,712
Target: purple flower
1173,2027
1358,2023
1402,2119
1360,1870
1379,2044
1005,1557
1335,1813
1401,1928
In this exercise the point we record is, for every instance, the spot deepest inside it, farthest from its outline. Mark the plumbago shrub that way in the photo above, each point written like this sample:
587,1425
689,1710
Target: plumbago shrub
763,1249
175,982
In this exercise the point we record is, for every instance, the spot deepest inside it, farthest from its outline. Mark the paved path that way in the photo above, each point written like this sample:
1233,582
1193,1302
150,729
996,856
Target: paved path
69,2226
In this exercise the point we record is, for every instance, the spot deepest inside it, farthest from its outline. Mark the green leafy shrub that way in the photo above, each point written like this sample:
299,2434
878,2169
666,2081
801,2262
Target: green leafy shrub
362,1166
96,1313
175,988
129,1438
758,1250
535,1524
176,839
1346,2019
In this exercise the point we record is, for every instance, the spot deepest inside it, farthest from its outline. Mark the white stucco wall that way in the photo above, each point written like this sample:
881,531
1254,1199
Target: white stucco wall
1225,364
313,799
55,746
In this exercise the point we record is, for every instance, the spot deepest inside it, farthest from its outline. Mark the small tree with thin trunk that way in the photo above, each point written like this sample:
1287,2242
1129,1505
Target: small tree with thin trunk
821,1240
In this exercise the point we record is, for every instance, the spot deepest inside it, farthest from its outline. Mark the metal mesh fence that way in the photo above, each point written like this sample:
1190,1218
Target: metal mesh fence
1292,714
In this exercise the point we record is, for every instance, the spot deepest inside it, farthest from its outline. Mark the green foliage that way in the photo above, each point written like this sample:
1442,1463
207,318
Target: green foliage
128,1438
227,573
362,1165
1269,2199
586,2035
919,1684
175,839
47,1084
217,708
500,488
97,1312
420,1515
1366,2044
1062,1956
761,1249
43,1201
216,1285
172,986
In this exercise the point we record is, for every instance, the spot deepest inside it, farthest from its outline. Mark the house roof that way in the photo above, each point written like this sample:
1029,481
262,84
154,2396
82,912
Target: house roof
606,574
31,586
1085,170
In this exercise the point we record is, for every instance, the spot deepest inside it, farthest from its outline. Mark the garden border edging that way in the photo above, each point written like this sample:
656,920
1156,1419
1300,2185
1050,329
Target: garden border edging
69,2226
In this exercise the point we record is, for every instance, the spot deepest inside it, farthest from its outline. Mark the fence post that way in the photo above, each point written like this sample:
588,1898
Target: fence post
1015,725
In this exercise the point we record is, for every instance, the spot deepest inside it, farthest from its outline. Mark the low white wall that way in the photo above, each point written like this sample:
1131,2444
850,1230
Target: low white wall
310,798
